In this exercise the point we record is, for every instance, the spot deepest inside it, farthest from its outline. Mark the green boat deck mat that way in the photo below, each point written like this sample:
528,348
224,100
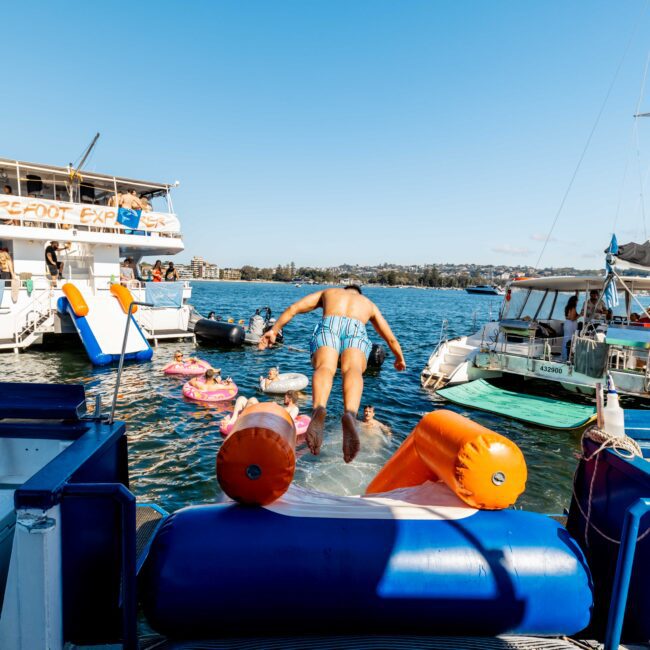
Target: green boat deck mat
543,411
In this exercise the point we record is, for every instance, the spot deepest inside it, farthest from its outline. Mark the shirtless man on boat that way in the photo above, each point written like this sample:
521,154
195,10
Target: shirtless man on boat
341,332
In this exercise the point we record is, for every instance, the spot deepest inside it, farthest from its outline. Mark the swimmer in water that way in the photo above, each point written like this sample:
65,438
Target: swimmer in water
341,333
370,424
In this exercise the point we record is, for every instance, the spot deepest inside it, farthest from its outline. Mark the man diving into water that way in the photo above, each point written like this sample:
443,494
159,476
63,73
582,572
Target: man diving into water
342,331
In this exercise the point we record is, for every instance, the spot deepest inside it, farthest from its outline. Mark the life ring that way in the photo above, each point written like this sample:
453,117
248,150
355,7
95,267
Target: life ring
286,381
190,368
217,395
301,422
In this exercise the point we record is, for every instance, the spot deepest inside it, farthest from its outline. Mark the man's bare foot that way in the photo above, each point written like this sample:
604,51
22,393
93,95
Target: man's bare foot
351,443
314,434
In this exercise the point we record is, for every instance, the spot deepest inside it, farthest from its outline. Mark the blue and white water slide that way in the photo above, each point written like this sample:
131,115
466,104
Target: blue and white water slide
102,330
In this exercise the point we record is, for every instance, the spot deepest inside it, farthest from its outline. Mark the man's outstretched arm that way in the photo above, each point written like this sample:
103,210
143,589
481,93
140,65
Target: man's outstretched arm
302,306
383,329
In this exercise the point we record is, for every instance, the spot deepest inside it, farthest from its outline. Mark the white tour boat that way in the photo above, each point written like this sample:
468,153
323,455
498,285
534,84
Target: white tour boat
528,338
43,203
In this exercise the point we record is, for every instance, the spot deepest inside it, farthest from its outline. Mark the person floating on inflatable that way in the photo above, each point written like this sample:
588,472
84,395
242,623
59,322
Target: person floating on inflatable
210,380
242,403
271,376
341,332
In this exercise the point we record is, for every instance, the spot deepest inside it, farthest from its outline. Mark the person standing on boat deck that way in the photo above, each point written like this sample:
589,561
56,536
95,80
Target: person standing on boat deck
341,333
7,189
54,267
570,325
156,271
6,265
171,274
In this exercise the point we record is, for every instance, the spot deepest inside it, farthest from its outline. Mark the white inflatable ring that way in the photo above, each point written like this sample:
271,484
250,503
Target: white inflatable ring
285,382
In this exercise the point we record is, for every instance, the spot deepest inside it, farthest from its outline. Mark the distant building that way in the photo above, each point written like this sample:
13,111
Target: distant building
198,267
230,274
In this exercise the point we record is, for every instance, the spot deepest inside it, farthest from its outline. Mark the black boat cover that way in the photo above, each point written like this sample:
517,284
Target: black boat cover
634,253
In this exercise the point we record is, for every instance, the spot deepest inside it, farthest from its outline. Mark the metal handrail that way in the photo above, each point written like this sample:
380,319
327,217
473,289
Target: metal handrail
620,590
121,364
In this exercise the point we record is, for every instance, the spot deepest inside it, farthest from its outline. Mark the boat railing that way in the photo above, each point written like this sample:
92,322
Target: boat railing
36,222
33,314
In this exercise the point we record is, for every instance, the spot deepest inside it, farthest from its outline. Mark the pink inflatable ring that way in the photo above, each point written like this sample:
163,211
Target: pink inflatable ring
189,368
205,395
301,422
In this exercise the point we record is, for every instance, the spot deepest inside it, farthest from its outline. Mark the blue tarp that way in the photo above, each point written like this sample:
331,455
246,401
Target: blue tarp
129,218
164,294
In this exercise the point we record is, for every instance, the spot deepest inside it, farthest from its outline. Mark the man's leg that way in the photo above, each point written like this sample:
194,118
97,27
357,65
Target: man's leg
324,361
353,365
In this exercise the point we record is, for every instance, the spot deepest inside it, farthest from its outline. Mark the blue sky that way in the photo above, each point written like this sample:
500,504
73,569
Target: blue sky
346,131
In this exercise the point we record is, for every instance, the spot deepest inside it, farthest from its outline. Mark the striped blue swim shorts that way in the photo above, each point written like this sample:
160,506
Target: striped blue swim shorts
340,333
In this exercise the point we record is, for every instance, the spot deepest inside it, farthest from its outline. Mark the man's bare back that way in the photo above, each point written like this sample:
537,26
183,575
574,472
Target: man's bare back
340,302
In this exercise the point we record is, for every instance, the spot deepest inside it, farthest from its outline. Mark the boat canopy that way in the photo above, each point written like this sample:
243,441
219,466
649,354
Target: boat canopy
631,256
580,283
18,169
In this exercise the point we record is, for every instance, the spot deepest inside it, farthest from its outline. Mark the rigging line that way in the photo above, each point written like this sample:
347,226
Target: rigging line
638,146
591,134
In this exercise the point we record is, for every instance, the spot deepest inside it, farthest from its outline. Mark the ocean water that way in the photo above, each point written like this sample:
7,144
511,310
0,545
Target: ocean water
173,442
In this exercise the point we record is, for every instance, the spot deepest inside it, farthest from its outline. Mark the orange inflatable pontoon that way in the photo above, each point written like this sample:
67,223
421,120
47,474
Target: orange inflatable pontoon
76,300
485,469
124,296
256,463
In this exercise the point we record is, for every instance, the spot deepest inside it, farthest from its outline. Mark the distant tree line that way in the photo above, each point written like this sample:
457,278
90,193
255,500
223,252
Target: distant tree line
431,277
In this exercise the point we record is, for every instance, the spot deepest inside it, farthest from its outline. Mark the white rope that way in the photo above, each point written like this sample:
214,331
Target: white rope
625,447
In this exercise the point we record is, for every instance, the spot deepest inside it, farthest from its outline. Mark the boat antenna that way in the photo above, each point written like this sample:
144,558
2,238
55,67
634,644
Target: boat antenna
84,157
591,134
637,115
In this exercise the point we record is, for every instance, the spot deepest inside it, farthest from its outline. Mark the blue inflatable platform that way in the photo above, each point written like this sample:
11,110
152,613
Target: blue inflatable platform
391,563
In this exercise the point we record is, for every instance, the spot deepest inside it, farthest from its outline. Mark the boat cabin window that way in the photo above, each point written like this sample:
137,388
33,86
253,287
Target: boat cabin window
513,303
560,304
532,305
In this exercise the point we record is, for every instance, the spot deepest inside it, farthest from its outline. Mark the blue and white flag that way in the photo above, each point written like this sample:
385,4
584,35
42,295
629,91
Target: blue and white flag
129,218
611,294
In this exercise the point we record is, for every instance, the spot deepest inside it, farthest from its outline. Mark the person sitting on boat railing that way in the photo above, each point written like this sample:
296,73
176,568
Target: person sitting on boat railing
594,310
127,273
114,200
211,378
570,325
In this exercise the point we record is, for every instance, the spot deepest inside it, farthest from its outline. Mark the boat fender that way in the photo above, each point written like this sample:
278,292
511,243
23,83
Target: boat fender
76,300
124,296
257,461
483,468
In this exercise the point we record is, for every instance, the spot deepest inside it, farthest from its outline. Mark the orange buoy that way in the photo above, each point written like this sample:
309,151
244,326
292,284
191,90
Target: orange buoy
76,300
256,463
124,296
483,468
